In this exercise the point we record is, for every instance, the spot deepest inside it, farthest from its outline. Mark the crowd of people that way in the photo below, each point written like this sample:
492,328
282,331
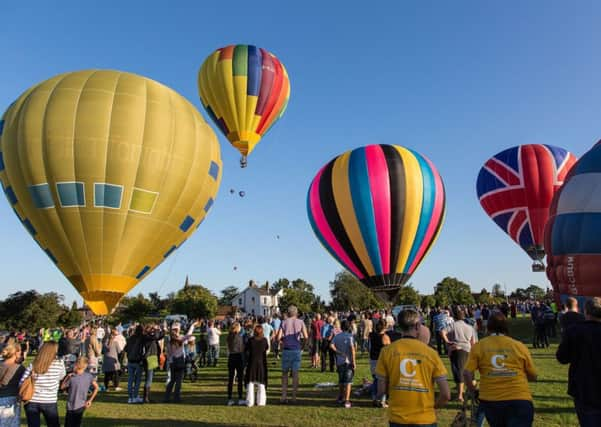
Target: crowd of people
404,354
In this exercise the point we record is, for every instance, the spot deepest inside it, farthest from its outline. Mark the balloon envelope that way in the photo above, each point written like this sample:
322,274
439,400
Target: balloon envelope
110,173
515,188
245,90
573,233
377,210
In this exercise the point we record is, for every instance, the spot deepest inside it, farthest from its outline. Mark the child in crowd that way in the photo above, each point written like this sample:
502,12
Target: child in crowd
78,384
343,344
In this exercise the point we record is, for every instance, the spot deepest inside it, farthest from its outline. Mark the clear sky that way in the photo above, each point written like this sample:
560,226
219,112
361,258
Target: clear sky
456,81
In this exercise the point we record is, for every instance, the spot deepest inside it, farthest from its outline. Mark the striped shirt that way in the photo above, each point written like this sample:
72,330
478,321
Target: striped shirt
45,389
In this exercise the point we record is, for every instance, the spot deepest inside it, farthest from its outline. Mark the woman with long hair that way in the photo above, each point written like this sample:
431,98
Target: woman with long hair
256,367
235,362
378,339
47,371
110,362
177,361
152,350
11,372
93,350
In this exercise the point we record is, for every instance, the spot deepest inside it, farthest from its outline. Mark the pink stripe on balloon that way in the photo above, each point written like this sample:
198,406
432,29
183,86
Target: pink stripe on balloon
379,183
324,228
434,220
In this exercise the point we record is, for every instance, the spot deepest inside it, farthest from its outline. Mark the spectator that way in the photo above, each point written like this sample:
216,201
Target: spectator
326,352
235,362
213,335
152,351
409,384
343,345
581,347
459,339
78,384
110,361
316,326
135,357
378,339
177,361
47,370
275,325
290,334
256,370
11,372
571,316
505,367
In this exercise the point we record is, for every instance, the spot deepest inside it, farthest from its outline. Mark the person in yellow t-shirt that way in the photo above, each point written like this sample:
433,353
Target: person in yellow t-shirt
407,370
505,367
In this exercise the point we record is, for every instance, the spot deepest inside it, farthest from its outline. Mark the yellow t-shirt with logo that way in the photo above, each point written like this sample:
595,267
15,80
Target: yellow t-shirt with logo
410,367
503,364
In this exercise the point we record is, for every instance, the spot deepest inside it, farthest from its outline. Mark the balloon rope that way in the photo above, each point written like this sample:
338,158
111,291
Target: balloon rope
168,272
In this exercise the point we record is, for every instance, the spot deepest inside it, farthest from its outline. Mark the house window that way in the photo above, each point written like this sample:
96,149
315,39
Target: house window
252,300
240,302
264,312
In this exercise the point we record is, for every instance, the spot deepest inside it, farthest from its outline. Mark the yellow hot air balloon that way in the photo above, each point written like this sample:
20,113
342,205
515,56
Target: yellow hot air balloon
110,172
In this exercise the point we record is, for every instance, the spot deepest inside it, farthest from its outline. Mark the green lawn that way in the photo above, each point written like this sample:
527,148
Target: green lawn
204,401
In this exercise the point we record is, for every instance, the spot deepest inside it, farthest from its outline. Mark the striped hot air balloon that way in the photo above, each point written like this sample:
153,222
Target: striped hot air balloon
245,90
378,210
573,232
110,173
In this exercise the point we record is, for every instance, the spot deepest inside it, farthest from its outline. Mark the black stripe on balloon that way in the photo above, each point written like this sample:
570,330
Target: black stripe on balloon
396,175
328,204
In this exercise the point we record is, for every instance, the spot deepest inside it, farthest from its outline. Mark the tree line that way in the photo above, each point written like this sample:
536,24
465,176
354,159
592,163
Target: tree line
31,310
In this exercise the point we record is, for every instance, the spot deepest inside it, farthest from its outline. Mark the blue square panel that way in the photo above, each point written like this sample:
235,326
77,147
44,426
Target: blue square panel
214,170
41,196
107,195
10,195
186,223
71,194
1,161
1,127
209,204
143,272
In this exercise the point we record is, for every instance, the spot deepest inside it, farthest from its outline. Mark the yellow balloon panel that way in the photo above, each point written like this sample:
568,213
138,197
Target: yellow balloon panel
110,172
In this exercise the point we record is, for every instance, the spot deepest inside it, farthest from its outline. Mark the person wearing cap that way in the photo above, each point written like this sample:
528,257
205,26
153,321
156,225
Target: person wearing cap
177,361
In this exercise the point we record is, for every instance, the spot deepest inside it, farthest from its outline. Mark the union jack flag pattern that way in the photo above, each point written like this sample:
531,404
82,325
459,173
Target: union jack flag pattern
515,188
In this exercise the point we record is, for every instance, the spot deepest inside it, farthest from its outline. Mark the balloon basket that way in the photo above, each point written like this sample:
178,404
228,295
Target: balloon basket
538,267
243,161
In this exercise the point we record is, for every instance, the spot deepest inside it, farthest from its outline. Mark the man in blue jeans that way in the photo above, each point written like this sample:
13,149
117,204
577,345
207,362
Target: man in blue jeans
290,334
581,348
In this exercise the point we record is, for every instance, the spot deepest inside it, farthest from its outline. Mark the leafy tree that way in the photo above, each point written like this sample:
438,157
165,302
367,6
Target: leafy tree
408,296
452,291
160,305
428,301
135,308
535,292
70,318
299,293
497,291
31,310
519,294
282,283
485,297
228,294
348,293
195,301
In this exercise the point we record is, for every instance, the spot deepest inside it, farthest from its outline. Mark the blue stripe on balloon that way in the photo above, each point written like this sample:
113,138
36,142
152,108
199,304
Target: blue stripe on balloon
429,196
576,233
363,206
590,162
143,272
318,233
255,64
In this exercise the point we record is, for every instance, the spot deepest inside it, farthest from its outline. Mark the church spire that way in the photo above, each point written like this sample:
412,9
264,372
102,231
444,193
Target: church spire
187,284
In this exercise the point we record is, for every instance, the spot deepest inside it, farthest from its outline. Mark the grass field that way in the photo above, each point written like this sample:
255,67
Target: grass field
204,401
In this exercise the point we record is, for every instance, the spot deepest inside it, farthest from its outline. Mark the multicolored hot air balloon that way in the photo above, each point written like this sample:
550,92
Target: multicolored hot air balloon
515,188
245,90
378,210
573,233
109,172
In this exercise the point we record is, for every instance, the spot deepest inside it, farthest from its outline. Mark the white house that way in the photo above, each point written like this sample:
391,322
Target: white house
258,300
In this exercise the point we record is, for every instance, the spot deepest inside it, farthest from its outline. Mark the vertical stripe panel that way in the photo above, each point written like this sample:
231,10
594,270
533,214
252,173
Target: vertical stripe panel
344,204
362,203
380,193
396,177
412,207
321,224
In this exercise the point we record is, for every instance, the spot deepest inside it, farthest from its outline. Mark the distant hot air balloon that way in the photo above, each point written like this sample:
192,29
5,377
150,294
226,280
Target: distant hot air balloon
241,193
245,90
378,210
515,188
109,172
573,232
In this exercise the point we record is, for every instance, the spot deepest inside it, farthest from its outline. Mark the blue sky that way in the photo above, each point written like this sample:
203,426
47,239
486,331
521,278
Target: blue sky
456,81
